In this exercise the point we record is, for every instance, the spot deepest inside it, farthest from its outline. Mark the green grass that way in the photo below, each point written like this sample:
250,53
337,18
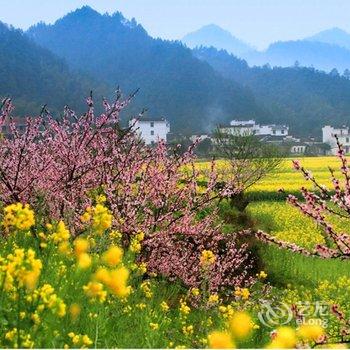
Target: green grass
287,268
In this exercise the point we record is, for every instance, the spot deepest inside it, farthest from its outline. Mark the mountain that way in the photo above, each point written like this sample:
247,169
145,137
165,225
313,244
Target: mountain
326,50
173,83
213,35
33,76
304,98
333,36
315,54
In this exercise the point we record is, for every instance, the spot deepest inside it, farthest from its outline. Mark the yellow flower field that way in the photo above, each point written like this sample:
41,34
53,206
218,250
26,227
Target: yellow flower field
285,176
291,180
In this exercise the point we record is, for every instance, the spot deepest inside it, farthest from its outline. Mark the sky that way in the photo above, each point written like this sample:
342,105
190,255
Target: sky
258,22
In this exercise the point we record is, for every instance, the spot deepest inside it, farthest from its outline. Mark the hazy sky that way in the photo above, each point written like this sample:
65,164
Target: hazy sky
258,22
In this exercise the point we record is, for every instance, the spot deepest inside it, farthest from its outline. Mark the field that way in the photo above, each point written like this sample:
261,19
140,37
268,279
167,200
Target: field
272,214
145,266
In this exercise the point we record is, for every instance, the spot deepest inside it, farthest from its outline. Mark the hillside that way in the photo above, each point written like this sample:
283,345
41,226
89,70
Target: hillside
33,76
302,97
173,83
213,35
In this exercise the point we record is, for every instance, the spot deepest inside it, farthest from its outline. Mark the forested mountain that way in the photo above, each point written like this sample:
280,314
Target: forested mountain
334,36
33,76
315,54
213,35
195,89
302,97
173,83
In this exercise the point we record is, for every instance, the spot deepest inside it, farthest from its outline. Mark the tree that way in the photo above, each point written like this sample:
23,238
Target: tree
60,166
249,161
346,73
204,148
334,72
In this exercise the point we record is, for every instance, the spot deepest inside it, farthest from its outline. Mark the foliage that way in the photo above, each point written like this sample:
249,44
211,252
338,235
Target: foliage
48,78
324,203
62,167
249,159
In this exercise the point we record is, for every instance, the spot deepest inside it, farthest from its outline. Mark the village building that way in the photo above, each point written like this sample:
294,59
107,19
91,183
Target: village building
19,122
250,127
151,130
328,136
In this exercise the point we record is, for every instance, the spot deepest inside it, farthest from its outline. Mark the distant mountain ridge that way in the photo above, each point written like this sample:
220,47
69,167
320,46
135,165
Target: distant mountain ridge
333,36
172,82
307,53
325,50
213,35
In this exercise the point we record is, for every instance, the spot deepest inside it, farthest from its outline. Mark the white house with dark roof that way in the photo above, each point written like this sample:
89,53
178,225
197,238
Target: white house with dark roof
151,130
272,129
328,136
246,127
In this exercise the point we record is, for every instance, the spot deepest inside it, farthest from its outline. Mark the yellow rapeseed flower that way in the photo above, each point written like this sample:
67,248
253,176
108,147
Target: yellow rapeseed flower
84,261
285,338
118,282
262,275
220,340
241,324
60,233
310,331
164,306
207,258
81,245
154,326
113,256
18,216
95,290
74,311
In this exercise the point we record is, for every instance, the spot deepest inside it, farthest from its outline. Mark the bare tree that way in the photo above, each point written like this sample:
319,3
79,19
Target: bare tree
249,161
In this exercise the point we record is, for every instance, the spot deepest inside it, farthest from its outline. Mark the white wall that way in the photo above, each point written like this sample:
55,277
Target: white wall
298,149
328,133
152,131
238,130
269,130
242,122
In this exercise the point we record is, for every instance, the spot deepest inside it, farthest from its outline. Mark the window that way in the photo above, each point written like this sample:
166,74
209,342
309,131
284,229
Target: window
152,124
282,131
274,132
152,132
347,140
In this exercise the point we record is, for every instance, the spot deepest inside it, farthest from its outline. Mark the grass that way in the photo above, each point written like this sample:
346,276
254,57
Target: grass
269,212
286,269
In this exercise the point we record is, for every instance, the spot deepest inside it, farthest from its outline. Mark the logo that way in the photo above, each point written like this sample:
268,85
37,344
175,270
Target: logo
275,315
279,314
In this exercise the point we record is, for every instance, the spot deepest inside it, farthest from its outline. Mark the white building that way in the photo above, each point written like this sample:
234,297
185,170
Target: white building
151,130
248,127
298,148
274,130
328,136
